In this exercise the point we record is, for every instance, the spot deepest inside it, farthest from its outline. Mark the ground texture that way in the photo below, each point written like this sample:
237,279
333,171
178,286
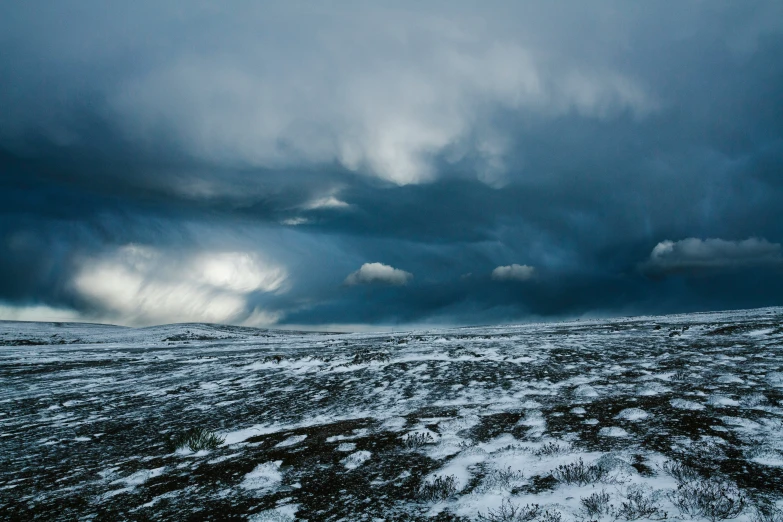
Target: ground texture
645,418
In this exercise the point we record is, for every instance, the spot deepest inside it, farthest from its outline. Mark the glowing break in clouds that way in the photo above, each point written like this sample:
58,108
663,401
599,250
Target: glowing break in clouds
378,273
143,285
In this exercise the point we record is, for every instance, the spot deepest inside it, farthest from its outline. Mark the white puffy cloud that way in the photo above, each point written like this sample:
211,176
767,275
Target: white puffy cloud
693,254
142,285
513,273
378,273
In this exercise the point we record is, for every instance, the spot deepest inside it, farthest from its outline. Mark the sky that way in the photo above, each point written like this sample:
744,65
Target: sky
372,164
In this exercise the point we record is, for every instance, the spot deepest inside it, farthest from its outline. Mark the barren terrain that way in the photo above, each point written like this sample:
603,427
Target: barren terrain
677,417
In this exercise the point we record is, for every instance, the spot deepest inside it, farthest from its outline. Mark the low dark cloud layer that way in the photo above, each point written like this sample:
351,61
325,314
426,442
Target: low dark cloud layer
190,161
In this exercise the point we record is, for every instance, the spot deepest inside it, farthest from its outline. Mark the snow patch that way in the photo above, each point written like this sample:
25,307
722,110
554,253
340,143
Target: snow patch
285,513
264,477
720,401
291,441
354,460
585,391
682,404
632,414
612,431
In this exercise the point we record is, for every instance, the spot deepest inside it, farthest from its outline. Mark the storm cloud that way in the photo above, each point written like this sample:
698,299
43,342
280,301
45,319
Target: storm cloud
185,161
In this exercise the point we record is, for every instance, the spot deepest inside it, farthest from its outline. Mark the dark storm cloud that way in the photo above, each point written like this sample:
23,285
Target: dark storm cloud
238,164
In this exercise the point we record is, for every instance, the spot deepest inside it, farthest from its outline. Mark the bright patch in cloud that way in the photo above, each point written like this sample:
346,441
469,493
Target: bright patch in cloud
378,273
236,272
513,273
142,285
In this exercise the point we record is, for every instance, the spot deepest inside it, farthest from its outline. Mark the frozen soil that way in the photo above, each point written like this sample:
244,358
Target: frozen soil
676,417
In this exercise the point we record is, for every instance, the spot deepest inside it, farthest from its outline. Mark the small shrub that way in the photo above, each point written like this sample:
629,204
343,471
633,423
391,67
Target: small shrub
767,513
368,356
196,439
731,329
500,479
756,448
417,440
707,453
508,512
580,473
551,516
597,504
641,467
753,400
639,505
680,472
441,488
712,499
541,483
550,449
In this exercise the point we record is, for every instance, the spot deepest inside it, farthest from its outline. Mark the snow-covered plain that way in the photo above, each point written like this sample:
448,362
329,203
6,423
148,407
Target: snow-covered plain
636,418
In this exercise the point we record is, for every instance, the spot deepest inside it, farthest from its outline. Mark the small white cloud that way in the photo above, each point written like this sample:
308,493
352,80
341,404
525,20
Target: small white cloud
326,202
513,273
378,273
693,254
295,221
